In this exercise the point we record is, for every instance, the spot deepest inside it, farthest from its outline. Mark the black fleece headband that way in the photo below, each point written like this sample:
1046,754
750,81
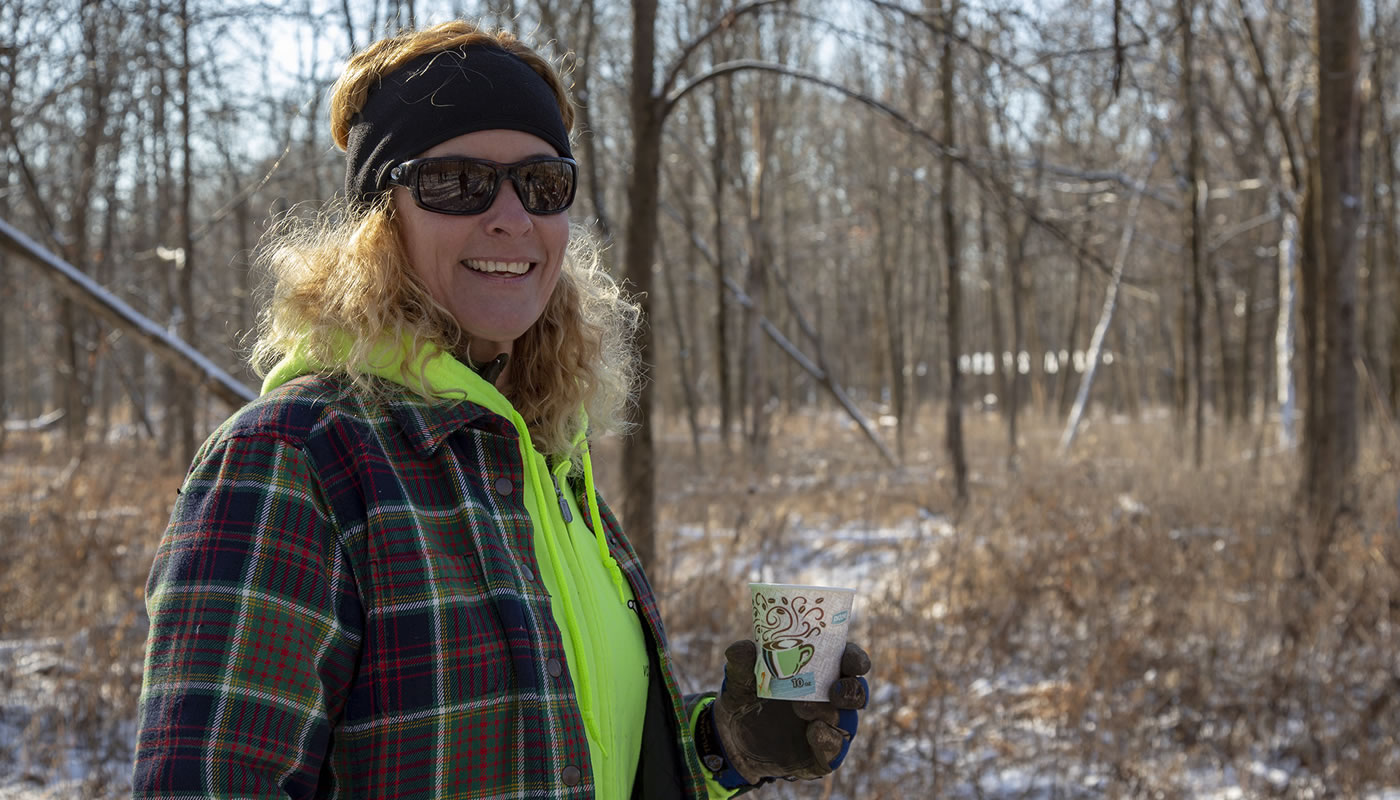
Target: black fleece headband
439,96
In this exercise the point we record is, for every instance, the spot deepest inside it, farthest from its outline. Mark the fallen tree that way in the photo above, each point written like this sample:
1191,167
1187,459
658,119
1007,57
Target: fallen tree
114,311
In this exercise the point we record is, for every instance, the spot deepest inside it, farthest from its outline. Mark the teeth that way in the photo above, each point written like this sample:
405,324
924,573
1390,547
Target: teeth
512,267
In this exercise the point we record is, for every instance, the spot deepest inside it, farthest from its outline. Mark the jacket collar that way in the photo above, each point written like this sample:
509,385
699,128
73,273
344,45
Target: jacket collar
460,398
428,425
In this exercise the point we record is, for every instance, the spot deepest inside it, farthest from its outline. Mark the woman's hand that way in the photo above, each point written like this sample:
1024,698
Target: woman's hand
784,738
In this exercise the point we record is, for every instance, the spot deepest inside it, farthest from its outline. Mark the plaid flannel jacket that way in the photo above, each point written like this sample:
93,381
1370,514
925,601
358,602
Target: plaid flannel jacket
345,605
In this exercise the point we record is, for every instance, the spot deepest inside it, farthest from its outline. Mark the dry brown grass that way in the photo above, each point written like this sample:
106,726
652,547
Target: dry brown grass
78,534
1118,625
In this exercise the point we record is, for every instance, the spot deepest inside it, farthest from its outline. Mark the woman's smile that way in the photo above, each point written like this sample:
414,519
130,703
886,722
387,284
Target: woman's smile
498,267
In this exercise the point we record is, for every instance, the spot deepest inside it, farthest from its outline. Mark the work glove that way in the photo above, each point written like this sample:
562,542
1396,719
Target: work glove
765,739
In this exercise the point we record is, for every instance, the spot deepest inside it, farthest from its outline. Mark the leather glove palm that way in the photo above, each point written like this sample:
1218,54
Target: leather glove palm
783,738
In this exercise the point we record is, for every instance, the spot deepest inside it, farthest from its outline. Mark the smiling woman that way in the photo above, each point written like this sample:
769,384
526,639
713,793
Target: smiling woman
392,260
392,575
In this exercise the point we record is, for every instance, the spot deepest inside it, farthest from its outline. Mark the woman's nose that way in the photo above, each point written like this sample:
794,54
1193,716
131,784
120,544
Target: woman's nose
507,215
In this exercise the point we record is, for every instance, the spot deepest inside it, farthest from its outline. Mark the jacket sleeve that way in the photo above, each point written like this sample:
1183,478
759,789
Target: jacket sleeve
694,704
255,630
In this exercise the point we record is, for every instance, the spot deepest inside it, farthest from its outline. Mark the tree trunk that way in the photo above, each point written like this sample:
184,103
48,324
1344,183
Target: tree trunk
639,451
75,338
1181,387
349,24
1310,305
754,368
1071,339
1390,229
7,291
890,265
172,383
583,73
184,410
952,253
1247,342
1371,321
684,355
1339,148
1110,306
1197,236
1381,261
104,269
1224,310
723,118
1020,281
1285,343
1004,376
756,380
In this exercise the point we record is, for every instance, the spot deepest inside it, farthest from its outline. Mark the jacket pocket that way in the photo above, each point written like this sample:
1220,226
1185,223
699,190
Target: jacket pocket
437,642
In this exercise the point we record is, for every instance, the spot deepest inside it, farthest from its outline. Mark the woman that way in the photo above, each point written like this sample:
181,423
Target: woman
391,576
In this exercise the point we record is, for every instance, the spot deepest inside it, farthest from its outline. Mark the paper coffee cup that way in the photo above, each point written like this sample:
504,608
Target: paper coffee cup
801,634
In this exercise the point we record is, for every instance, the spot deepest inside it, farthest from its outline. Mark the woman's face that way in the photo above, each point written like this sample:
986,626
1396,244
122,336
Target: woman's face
466,261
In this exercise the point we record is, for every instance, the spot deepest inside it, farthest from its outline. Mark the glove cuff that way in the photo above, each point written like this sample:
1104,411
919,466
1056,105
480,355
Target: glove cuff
713,756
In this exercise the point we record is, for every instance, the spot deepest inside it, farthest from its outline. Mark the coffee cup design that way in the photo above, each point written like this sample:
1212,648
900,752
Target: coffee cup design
801,633
785,662
787,627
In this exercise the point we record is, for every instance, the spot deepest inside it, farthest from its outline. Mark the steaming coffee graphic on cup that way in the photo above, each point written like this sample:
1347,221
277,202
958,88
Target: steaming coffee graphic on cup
801,631
785,658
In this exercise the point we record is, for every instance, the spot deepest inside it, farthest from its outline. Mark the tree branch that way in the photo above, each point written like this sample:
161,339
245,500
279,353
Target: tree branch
958,157
1261,73
814,368
750,64
933,25
1093,175
721,23
116,312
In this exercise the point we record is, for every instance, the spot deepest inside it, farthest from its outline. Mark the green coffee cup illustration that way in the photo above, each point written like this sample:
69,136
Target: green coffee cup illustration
801,633
786,662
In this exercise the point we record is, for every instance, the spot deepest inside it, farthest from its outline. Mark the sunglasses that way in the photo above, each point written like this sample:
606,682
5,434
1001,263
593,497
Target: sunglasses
456,185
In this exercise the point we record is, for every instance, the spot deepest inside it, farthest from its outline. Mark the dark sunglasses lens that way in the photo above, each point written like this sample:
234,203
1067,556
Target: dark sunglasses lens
456,187
545,187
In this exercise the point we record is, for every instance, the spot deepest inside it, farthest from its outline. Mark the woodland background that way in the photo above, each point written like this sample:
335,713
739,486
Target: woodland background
895,256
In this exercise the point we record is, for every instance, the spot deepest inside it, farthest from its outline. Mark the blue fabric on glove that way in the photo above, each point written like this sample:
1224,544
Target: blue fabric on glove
848,720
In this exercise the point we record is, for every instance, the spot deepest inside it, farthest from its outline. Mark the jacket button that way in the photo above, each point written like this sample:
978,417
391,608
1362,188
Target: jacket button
555,668
527,574
571,775
632,604
504,486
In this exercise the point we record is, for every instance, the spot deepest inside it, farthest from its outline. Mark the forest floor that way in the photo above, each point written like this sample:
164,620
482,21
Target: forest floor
1115,624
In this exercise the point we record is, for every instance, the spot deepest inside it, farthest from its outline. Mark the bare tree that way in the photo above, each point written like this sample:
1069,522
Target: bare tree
1198,195
100,24
848,235
648,115
1388,175
1332,445
650,105
185,437
7,110
952,251
722,120
1110,306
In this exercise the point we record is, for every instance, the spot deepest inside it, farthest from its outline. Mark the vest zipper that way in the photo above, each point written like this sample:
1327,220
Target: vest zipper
563,504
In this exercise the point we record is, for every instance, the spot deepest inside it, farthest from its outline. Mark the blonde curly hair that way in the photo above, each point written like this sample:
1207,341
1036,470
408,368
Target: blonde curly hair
341,282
